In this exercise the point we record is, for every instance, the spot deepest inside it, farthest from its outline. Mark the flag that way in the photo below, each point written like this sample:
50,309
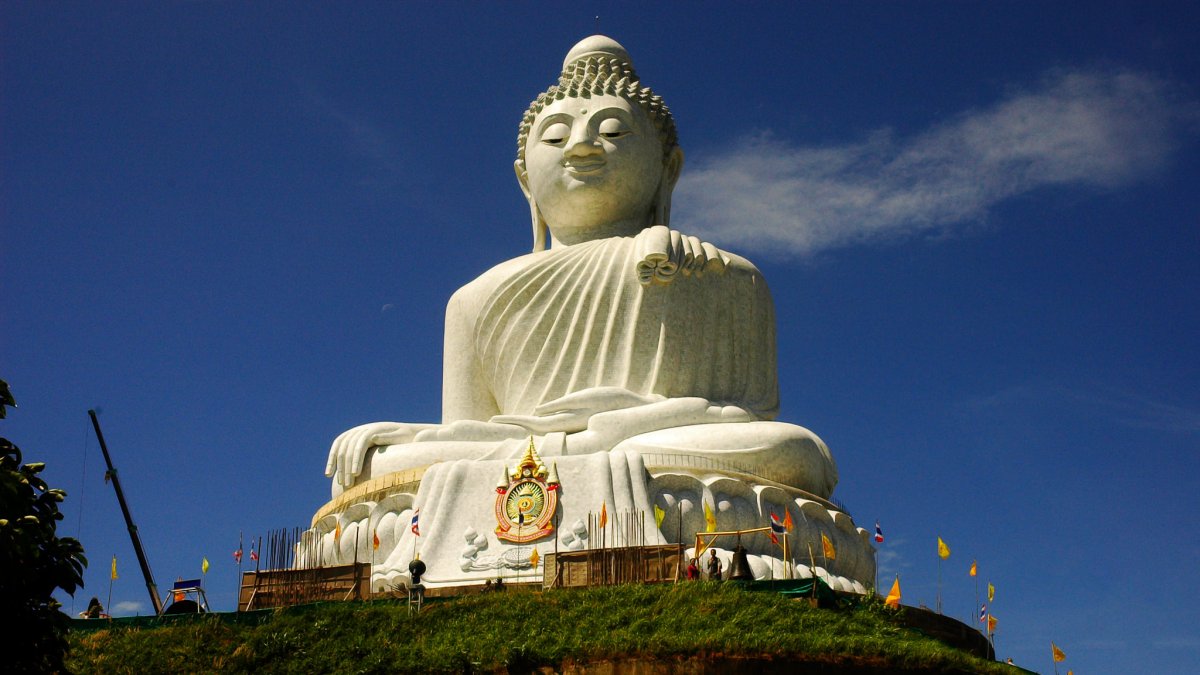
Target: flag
992,623
893,596
114,567
415,527
943,549
237,556
204,565
659,514
603,515
991,592
375,540
983,612
710,519
878,533
787,520
533,558
827,547
776,526
253,554
1057,653
337,531
974,568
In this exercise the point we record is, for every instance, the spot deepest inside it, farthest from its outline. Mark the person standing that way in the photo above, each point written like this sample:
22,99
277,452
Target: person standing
714,566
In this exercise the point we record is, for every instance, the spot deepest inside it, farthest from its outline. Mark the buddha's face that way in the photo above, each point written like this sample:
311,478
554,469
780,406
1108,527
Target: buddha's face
594,166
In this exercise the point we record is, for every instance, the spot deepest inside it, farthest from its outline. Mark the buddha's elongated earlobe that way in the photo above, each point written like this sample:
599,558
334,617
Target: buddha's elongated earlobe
535,215
539,226
671,170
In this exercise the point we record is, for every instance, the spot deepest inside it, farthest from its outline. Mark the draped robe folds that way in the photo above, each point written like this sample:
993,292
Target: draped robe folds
575,318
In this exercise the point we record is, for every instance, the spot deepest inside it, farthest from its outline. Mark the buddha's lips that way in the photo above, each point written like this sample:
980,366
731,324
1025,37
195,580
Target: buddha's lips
584,166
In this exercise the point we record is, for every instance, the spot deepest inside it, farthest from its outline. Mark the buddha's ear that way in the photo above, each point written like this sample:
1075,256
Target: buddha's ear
672,167
522,179
539,223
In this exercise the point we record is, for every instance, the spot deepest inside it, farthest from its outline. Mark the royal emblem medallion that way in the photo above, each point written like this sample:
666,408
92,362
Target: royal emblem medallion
526,499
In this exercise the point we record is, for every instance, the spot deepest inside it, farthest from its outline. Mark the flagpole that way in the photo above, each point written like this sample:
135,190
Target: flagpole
976,588
238,595
108,605
939,585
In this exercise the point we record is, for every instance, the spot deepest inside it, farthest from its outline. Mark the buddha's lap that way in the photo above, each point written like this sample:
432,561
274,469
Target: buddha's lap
776,451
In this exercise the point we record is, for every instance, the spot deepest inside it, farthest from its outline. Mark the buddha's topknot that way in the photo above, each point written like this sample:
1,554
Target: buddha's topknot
597,74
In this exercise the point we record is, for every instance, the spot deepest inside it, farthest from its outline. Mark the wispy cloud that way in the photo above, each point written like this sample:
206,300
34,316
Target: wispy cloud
1177,643
1123,407
1082,128
363,137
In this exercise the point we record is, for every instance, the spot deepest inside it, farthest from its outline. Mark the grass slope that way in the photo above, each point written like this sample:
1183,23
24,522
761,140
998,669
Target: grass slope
522,630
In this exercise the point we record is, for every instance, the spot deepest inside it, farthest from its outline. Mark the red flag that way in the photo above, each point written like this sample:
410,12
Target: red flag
787,520
375,542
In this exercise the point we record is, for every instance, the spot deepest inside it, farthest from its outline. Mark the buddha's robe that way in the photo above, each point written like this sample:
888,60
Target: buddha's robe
577,317
592,318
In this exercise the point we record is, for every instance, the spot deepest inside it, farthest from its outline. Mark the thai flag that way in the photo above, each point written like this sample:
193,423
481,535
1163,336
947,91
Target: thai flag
415,529
983,612
777,525
878,533
253,554
237,556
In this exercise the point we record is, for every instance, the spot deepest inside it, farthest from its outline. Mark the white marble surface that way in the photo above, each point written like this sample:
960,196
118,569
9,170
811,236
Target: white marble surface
621,343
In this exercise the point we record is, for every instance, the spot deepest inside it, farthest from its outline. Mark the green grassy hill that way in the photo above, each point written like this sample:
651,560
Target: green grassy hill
695,627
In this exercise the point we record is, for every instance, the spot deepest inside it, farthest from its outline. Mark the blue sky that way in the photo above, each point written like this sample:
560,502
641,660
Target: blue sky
233,227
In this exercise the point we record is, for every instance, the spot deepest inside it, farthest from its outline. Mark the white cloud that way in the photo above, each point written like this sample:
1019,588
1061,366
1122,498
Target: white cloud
1082,128
127,608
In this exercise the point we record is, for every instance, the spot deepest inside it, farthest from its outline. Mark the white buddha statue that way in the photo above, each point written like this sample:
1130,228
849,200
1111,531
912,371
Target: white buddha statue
616,332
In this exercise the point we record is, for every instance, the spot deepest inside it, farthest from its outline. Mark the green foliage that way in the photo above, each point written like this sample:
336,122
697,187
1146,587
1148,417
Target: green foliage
522,630
34,561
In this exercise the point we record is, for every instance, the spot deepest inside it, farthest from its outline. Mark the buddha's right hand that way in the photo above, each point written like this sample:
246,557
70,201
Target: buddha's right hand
349,450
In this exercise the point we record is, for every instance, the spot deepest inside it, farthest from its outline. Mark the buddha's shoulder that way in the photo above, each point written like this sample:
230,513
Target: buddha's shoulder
479,289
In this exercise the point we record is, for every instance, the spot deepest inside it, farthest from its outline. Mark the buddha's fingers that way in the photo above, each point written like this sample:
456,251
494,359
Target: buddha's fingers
563,421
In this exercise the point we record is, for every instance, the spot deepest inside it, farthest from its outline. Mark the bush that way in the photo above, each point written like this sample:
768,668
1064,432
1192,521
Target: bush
34,562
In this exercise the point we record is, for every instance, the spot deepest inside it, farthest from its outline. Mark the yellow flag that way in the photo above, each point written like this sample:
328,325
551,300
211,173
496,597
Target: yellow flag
603,515
204,565
974,568
893,596
710,519
533,558
991,592
659,514
375,540
114,569
943,549
337,531
1057,653
827,546
992,623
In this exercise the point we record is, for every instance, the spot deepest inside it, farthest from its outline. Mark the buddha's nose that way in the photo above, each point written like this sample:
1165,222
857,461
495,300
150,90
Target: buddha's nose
583,143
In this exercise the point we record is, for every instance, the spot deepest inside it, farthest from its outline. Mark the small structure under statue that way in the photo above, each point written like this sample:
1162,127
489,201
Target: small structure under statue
615,386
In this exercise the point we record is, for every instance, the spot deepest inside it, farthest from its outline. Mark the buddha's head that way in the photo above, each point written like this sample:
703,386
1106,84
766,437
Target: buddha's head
597,154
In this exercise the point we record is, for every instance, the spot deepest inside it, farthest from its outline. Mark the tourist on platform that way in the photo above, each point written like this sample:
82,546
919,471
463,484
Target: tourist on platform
714,566
94,611
693,570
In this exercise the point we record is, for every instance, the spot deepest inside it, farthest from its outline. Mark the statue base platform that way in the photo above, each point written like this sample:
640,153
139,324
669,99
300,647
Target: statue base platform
470,528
